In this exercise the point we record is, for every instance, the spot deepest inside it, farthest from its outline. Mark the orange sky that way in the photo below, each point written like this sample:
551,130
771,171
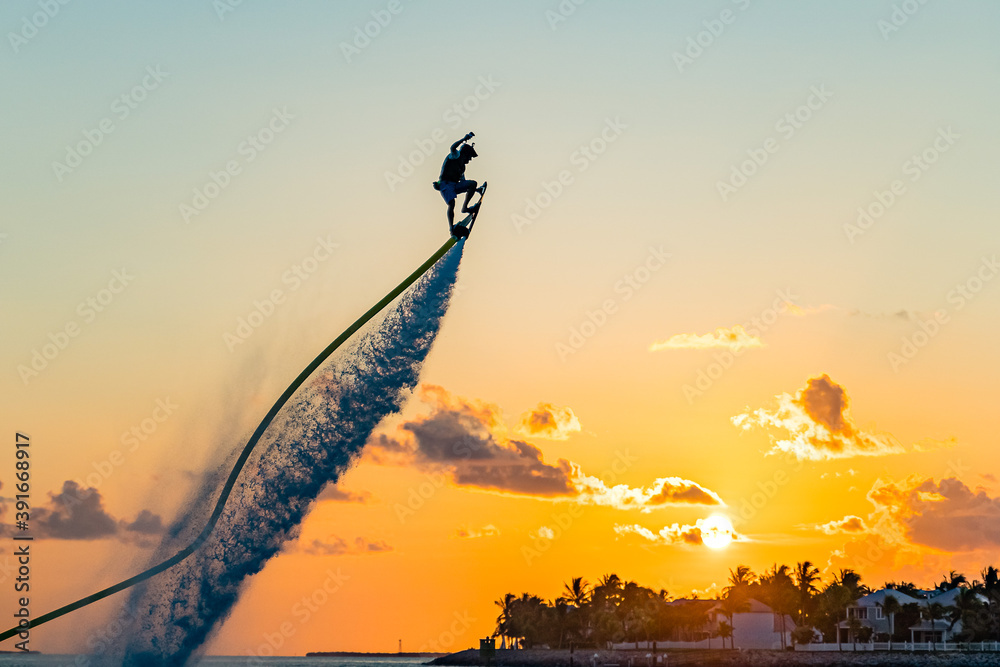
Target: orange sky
629,350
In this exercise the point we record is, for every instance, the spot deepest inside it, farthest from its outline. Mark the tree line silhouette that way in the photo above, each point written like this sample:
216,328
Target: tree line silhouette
613,610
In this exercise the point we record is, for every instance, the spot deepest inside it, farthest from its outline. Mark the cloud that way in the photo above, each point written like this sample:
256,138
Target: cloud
334,493
945,515
692,535
77,513
549,421
468,440
919,527
543,532
146,523
850,524
489,530
735,338
818,422
338,546
665,491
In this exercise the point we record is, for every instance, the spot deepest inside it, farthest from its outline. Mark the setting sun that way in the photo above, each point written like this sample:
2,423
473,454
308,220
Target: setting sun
717,531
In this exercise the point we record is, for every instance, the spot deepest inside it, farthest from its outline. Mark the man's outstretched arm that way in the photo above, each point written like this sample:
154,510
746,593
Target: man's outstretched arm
454,146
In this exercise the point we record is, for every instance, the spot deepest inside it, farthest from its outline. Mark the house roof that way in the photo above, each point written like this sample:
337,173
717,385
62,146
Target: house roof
877,598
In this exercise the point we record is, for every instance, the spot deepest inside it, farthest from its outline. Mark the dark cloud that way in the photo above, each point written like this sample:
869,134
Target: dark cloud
146,523
468,440
338,546
947,515
336,494
458,435
77,513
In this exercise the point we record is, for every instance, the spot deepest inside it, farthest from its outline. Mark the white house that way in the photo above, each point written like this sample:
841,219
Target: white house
869,610
759,628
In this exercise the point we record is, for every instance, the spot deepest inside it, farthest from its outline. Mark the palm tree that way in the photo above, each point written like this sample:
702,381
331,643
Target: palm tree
576,593
891,607
934,611
503,620
952,581
966,608
725,630
736,597
854,625
806,577
778,590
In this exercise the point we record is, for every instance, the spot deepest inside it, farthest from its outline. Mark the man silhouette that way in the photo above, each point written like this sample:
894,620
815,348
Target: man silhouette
452,181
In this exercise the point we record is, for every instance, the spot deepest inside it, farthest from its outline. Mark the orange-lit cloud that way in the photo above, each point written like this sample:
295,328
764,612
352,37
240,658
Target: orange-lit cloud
945,515
681,534
489,530
850,524
664,491
919,528
819,425
467,439
735,338
549,421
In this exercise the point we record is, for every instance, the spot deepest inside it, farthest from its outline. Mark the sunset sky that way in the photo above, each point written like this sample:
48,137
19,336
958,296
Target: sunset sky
737,266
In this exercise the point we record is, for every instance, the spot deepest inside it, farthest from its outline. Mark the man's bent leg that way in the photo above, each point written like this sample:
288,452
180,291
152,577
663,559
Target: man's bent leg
451,213
472,185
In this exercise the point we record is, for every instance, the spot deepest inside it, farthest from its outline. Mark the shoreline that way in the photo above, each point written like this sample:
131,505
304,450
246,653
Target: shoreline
715,658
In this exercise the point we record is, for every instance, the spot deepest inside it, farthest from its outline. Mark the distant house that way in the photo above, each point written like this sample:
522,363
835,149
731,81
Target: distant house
869,611
758,628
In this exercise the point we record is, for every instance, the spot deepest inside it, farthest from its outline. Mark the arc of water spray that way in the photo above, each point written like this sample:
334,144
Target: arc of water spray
244,455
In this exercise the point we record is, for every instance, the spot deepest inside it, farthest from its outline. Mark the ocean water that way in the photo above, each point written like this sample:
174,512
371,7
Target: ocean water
36,660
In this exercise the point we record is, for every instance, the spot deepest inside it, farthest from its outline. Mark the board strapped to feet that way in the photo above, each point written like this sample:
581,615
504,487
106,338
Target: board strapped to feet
463,228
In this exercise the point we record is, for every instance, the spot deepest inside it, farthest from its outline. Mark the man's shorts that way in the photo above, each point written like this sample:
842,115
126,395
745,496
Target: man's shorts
451,189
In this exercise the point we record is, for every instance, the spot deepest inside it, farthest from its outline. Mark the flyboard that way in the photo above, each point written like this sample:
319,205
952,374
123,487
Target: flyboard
463,228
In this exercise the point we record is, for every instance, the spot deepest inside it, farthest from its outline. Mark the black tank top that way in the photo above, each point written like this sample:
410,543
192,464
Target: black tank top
452,170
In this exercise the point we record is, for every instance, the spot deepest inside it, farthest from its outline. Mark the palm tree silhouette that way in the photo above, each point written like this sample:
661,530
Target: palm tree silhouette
891,607
506,604
806,577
